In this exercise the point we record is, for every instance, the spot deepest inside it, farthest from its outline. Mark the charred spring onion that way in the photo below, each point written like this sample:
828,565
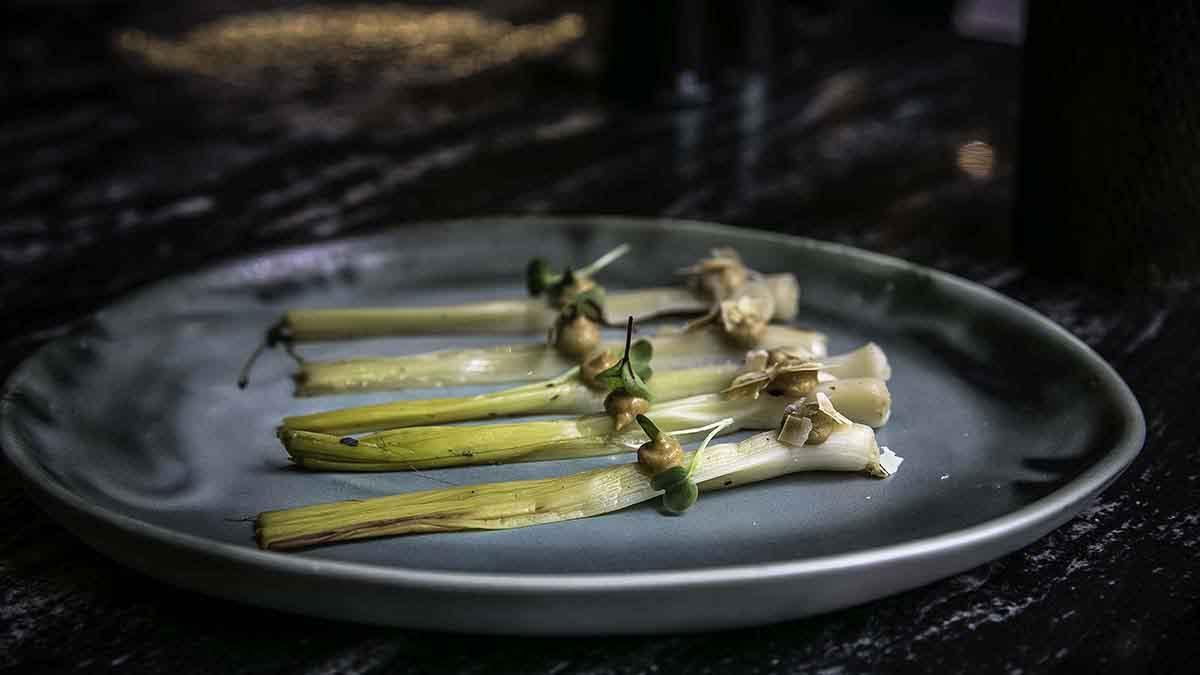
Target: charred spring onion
523,315
521,363
568,394
864,400
496,506
518,316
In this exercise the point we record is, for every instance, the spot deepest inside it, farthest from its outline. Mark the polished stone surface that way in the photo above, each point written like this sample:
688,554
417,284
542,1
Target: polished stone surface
900,140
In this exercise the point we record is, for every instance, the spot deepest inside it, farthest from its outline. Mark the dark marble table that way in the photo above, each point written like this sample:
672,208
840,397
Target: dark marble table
116,173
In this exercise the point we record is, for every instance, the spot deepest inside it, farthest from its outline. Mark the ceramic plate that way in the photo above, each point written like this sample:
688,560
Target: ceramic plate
132,433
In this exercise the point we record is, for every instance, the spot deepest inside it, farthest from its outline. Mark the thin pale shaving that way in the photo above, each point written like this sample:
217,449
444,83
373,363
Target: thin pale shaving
795,430
889,461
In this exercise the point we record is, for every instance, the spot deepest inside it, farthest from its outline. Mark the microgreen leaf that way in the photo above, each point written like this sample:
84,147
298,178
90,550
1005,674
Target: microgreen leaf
649,427
539,277
627,375
633,384
640,354
611,377
589,303
681,497
669,478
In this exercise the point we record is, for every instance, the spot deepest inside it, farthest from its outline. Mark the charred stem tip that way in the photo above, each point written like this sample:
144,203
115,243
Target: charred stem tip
277,334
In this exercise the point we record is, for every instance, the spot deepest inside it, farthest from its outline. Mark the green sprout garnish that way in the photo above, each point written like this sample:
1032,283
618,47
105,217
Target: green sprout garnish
576,332
631,372
665,480
680,497
648,426
680,490
277,334
589,304
541,278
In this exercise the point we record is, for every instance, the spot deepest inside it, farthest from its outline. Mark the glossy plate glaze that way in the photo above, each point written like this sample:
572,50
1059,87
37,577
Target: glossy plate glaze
132,433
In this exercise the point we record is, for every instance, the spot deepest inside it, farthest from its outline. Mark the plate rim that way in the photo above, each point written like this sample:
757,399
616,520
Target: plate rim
1048,509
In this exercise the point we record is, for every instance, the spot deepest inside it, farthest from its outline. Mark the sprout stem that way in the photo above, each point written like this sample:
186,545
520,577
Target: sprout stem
276,334
603,261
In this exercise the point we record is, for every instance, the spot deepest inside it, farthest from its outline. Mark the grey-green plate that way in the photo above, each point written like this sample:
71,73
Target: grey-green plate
132,434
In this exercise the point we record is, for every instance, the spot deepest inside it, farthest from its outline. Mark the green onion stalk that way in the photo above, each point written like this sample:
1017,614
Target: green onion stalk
523,315
567,394
519,316
497,506
863,400
522,363
534,314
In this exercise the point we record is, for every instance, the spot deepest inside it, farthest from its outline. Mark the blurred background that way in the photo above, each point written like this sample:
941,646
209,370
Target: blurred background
173,133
